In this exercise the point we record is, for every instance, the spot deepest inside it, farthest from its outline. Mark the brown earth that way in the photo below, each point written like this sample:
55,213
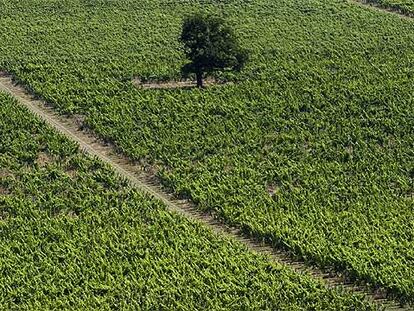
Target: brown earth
170,85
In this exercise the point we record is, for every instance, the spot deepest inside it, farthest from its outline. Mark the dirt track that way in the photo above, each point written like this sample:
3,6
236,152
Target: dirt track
375,6
146,183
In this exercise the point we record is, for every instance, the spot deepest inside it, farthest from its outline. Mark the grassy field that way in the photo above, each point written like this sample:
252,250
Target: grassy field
76,237
312,149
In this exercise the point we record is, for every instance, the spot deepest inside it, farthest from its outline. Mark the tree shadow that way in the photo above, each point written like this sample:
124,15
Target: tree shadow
174,85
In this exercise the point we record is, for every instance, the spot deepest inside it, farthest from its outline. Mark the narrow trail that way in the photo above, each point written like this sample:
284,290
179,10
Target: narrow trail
145,182
378,7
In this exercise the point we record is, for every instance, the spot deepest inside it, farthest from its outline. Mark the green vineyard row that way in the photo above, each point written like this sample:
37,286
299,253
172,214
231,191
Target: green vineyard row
74,236
310,147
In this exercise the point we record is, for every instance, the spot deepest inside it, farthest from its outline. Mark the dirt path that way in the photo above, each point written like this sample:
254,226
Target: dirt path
146,183
376,6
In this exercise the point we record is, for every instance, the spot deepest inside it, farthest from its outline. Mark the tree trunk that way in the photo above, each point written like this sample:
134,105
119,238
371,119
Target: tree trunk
199,76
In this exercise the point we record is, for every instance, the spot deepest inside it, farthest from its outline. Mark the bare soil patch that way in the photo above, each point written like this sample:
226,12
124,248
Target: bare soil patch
4,215
72,173
5,173
272,189
170,85
4,191
79,120
43,159
72,214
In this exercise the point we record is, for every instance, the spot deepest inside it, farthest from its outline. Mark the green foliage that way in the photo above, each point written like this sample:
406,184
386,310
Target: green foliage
400,6
210,45
76,237
312,149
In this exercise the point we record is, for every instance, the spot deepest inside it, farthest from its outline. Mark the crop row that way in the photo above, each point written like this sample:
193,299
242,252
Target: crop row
75,236
311,149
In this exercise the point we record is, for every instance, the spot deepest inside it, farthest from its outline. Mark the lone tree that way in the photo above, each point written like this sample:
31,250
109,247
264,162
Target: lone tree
210,45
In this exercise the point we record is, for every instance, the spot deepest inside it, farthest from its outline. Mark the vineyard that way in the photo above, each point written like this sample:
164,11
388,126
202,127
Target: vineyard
311,148
64,246
404,6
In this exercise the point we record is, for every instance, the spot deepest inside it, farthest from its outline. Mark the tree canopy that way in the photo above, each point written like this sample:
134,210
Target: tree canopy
211,45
